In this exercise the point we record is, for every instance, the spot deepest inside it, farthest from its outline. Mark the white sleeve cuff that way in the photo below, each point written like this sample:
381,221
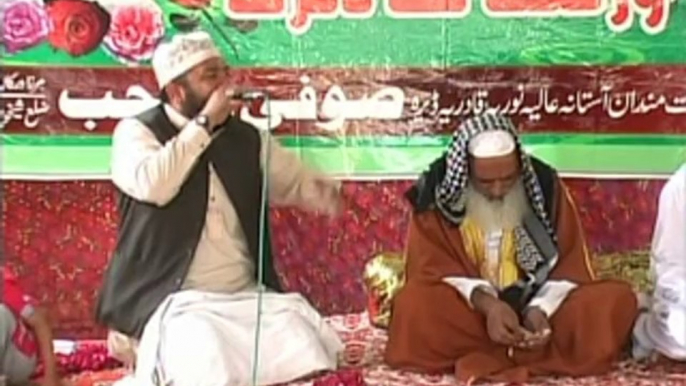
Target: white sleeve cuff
551,295
195,136
465,286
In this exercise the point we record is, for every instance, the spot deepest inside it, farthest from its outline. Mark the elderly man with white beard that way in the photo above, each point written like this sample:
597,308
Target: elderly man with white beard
498,280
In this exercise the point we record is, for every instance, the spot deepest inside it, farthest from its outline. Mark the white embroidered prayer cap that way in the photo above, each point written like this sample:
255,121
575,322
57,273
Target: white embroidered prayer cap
185,51
492,143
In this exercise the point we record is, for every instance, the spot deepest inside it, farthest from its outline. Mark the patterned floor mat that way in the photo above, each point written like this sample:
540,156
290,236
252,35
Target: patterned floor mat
363,357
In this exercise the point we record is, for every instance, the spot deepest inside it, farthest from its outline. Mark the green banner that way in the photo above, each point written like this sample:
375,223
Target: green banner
621,156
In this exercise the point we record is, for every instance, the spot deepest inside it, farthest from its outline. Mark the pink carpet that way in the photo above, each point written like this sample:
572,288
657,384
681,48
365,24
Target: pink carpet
362,364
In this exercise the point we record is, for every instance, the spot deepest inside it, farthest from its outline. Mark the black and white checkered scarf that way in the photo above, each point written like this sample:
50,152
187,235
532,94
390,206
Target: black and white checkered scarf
450,200
450,197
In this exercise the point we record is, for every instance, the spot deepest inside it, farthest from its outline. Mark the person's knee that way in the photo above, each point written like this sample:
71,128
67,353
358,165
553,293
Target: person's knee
616,293
421,299
405,299
672,326
661,329
189,325
431,326
191,335
195,350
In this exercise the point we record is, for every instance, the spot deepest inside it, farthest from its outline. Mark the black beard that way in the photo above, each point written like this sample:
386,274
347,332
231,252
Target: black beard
192,105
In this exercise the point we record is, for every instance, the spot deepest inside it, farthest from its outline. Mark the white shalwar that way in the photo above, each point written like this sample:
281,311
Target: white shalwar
198,338
205,335
662,327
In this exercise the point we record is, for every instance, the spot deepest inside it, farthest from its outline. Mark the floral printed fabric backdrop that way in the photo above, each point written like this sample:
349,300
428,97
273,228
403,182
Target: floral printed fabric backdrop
58,237
128,30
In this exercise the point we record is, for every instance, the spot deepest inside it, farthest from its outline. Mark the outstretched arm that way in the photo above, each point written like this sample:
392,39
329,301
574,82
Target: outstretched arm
293,183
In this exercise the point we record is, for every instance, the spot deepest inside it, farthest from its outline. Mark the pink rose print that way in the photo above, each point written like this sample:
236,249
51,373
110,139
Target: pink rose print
23,24
135,31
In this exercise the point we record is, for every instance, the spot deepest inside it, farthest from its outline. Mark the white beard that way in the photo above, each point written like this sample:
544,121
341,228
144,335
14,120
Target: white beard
493,215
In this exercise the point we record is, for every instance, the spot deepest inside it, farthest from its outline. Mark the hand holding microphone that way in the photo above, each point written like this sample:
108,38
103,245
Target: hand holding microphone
224,101
219,106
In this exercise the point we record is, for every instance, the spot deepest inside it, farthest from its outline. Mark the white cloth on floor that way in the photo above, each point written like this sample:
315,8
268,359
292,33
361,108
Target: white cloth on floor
663,327
207,339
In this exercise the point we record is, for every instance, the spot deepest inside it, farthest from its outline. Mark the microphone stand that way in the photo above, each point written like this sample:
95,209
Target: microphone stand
264,213
159,375
266,145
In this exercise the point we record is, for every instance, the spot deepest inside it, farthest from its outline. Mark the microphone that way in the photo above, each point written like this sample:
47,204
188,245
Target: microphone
245,95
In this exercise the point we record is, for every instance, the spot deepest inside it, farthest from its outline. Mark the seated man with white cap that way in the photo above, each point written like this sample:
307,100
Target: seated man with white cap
661,326
498,280
180,293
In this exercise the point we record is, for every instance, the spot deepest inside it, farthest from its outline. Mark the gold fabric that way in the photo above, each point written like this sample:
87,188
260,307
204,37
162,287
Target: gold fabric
384,275
501,273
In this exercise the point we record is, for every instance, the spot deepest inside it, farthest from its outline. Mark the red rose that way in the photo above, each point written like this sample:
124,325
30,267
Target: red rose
193,4
135,31
78,25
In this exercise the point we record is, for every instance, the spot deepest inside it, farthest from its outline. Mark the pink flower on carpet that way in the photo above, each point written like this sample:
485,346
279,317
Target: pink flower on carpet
353,355
135,31
346,377
23,24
